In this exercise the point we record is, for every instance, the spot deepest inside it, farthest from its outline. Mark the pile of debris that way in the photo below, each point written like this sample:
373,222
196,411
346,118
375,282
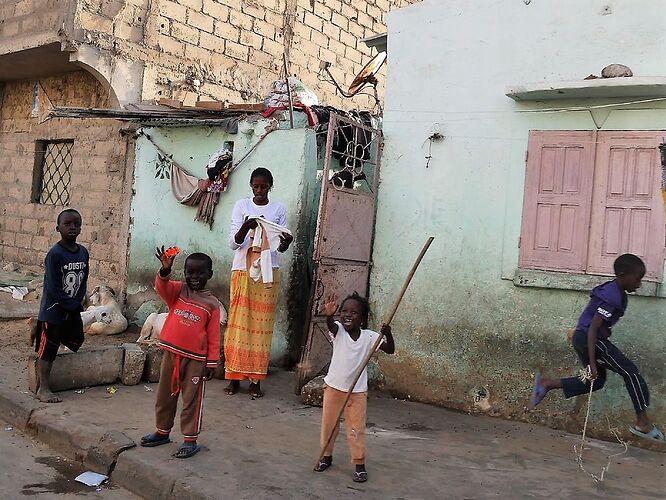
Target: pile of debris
21,288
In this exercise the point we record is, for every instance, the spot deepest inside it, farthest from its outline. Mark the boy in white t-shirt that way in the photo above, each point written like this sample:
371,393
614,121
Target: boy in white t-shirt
351,346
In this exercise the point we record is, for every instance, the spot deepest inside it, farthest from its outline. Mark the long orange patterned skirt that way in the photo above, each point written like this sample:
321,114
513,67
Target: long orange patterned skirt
247,340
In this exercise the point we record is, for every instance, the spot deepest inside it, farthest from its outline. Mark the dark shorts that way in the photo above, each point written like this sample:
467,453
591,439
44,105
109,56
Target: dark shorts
50,336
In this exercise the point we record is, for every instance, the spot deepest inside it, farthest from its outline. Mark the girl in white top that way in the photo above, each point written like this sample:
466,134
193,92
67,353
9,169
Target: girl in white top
351,346
247,341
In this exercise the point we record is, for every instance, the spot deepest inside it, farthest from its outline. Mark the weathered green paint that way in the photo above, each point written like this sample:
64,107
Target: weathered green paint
466,336
157,218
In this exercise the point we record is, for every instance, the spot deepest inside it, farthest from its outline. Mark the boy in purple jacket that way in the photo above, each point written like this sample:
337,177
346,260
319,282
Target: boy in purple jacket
591,341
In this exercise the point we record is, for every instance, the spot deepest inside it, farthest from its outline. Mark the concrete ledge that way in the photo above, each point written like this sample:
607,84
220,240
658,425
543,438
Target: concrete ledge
138,475
17,408
571,281
103,455
86,368
62,434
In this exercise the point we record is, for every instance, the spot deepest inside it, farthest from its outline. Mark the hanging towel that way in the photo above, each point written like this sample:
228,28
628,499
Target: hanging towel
194,192
183,185
265,239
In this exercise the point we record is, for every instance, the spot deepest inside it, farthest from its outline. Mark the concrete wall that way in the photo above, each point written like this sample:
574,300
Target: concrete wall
157,218
234,48
100,176
466,336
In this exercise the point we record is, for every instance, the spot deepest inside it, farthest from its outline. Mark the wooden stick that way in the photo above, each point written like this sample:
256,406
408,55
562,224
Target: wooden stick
387,321
291,102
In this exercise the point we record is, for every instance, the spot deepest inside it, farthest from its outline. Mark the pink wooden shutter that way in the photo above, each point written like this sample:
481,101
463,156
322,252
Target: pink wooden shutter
558,193
627,213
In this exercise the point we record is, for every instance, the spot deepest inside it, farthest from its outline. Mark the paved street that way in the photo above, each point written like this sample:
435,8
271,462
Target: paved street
30,469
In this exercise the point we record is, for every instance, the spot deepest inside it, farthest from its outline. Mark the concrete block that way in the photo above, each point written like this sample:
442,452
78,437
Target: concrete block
102,456
312,393
151,370
86,368
133,364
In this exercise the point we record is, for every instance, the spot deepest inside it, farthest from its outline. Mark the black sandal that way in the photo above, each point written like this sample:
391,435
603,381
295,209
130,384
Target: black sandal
255,391
323,464
360,477
154,439
187,450
232,388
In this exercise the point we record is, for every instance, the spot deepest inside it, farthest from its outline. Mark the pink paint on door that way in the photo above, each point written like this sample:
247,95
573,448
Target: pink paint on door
627,213
558,193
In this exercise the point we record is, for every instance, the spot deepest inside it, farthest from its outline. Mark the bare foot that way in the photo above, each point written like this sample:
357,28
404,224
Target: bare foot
46,396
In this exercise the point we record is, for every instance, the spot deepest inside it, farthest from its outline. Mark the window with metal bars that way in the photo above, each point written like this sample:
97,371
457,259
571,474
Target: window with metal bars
53,172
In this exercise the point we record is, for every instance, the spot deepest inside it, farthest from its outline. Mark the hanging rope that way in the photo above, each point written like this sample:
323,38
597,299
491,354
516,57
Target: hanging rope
585,375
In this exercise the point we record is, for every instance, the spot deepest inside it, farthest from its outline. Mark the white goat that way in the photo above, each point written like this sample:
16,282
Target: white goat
98,314
104,296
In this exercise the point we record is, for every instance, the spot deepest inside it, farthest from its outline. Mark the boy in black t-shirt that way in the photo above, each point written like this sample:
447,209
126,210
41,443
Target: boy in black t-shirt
65,283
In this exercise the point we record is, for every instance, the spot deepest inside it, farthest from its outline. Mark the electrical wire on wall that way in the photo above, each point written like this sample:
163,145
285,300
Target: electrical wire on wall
435,137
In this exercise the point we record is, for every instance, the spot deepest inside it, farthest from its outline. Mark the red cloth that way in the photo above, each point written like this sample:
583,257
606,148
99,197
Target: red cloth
312,119
192,328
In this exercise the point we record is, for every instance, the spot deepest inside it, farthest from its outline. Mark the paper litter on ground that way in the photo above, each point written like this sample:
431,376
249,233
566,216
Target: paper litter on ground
18,292
90,478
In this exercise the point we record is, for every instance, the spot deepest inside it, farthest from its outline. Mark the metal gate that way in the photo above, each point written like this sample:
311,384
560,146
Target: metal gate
345,228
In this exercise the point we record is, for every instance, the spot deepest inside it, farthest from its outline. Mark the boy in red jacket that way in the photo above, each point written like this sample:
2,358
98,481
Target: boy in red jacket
191,342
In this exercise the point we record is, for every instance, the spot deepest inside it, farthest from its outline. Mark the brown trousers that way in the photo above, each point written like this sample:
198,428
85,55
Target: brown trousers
189,381
355,416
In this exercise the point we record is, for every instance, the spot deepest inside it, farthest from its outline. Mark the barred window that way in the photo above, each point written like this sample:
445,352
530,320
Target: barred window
53,172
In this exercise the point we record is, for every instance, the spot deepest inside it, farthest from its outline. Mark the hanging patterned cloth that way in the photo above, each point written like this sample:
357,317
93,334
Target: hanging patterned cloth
204,193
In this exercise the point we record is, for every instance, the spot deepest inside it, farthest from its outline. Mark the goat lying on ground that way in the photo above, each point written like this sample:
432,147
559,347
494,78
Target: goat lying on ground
150,331
105,296
95,314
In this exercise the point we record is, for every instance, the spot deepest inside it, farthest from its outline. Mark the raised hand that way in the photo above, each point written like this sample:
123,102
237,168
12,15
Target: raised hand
330,305
165,258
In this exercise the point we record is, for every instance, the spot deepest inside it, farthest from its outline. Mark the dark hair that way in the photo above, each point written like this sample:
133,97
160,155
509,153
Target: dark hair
627,264
68,211
365,306
201,257
262,172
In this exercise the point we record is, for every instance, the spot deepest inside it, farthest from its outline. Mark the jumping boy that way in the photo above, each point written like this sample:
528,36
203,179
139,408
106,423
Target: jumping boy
190,339
351,346
591,341
65,283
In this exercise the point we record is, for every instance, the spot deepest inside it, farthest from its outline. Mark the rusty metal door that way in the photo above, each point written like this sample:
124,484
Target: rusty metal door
345,228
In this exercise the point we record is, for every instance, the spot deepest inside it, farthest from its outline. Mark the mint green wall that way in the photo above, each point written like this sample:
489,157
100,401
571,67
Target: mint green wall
466,336
157,218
